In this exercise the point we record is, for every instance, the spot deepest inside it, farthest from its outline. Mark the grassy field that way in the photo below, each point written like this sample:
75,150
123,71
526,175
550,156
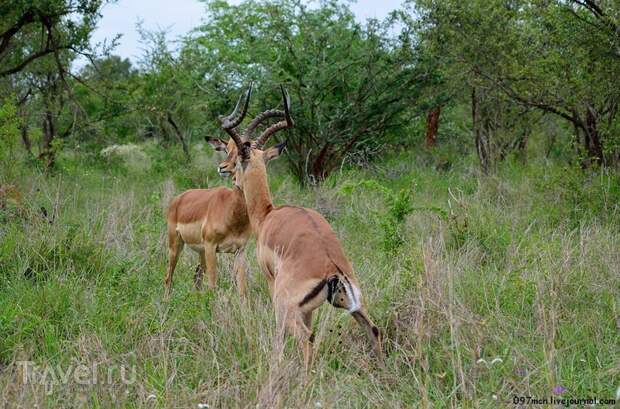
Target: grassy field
485,288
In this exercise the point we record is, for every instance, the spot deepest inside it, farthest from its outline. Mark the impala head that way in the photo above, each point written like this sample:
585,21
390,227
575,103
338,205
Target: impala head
227,166
243,149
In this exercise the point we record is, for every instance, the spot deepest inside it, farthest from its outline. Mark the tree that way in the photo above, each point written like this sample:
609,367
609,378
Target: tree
168,93
351,85
104,93
557,57
38,41
33,29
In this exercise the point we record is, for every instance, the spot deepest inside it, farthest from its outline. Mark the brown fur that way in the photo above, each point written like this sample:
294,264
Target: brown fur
220,204
300,255
211,221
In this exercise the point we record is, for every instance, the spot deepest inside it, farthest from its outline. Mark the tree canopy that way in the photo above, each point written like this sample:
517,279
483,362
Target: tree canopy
556,57
357,88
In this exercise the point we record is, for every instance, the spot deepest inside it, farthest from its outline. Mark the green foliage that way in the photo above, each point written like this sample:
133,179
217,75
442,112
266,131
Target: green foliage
9,140
456,269
398,206
586,197
557,57
39,41
88,288
105,95
9,127
35,32
391,218
351,84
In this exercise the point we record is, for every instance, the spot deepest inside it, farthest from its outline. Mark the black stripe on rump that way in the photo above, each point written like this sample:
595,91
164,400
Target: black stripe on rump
313,293
332,287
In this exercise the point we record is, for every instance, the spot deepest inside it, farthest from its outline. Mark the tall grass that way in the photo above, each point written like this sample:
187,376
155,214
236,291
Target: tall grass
499,286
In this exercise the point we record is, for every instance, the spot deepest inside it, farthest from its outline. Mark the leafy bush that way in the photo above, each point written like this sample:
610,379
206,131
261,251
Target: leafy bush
391,218
9,140
350,83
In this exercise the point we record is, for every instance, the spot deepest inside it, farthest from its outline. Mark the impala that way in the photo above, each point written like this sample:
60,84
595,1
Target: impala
296,248
214,220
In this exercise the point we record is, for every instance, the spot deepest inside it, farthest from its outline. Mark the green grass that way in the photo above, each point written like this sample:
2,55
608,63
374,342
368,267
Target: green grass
523,266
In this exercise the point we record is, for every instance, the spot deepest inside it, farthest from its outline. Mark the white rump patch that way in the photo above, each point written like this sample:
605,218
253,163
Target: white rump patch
354,298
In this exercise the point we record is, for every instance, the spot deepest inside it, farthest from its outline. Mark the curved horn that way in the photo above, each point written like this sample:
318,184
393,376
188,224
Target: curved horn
230,122
286,123
263,116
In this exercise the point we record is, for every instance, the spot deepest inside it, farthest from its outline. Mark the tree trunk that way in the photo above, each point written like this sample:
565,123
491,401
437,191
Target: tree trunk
25,138
432,125
319,171
522,144
592,138
47,151
24,119
480,148
177,131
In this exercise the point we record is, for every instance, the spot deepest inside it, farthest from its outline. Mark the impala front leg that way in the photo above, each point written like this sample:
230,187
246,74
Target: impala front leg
240,272
211,259
200,270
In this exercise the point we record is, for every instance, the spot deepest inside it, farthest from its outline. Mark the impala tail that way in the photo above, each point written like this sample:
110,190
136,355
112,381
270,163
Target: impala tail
343,292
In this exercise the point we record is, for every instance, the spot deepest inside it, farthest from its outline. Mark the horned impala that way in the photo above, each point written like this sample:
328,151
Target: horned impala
296,248
214,220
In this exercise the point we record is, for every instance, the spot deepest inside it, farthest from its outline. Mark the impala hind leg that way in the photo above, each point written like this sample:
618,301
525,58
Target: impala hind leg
175,246
298,324
307,343
240,272
280,335
373,333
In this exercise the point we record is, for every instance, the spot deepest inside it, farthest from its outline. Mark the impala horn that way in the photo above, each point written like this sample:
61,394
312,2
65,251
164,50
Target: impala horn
284,124
230,122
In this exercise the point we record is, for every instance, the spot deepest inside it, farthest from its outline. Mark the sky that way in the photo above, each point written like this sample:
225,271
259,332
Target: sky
180,16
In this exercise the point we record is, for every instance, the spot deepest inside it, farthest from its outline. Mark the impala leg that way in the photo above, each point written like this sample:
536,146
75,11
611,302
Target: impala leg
371,331
307,344
298,324
240,272
211,260
175,246
281,323
200,270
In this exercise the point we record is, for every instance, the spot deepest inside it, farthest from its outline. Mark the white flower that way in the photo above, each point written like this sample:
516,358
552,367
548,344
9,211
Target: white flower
203,406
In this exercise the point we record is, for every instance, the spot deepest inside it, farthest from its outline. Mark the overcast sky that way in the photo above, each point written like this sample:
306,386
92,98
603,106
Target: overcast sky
180,16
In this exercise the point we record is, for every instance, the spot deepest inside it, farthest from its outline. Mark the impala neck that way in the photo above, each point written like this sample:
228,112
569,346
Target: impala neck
238,203
257,195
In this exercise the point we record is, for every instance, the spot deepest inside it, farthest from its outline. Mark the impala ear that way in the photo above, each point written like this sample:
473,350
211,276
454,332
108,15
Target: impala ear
274,151
244,152
217,144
